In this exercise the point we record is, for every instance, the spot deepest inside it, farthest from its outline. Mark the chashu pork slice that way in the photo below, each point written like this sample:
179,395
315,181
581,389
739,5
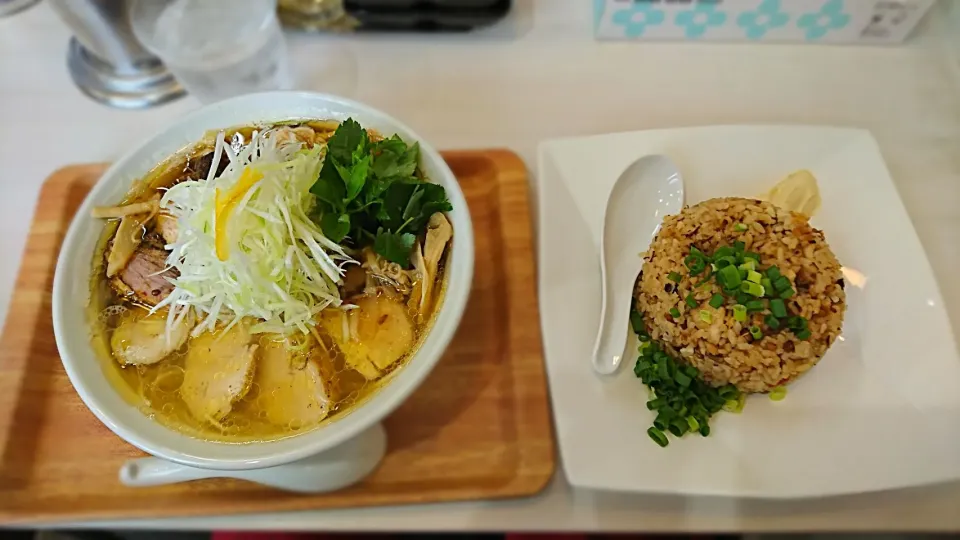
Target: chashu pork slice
141,339
218,372
374,335
292,393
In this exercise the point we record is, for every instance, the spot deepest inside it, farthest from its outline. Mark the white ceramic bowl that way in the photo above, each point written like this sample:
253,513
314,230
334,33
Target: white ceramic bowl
71,291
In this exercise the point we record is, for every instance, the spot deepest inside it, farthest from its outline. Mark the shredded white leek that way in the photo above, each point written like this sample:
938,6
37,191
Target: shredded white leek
281,269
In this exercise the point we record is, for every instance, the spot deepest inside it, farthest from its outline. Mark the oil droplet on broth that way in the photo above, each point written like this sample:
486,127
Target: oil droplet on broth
169,380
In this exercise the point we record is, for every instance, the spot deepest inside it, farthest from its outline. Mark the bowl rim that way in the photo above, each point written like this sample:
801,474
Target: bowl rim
347,426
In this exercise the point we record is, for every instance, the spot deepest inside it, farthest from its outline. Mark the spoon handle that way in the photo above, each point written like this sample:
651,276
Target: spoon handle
151,471
335,468
608,351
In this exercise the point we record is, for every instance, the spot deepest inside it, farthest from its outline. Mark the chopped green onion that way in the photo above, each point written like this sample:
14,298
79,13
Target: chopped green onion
740,312
658,437
678,426
748,264
778,308
742,297
754,276
751,255
636,321
778,393
735,405
695,262
729,392
803,334
742,272
772,322
696,251
787,293
724,262
739,246
724,251
740,227
674,276
682,400
796,323
756,332
754,306
729,277
781,283
751,288
768,289
773,273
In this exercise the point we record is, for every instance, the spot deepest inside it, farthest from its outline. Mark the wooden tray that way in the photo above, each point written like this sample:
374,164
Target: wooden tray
478,428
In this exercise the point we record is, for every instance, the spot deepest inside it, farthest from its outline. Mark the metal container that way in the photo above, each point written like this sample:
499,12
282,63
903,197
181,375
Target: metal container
105,59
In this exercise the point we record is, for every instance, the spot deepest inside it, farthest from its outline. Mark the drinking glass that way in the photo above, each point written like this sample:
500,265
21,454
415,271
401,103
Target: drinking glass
216,48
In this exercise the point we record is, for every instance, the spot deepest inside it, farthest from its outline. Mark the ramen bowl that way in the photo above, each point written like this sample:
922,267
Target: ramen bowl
71,291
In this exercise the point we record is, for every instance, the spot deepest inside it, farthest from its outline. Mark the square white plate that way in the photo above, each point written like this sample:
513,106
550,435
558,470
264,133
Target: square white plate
880,411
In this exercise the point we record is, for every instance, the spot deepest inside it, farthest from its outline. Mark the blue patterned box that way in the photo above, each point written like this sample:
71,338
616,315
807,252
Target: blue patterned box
816,21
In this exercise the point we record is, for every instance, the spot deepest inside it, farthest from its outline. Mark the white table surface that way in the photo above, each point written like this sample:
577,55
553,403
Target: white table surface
537,76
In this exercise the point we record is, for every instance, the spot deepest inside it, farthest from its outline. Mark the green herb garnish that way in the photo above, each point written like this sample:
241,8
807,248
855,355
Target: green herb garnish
738,274
682,400
371,192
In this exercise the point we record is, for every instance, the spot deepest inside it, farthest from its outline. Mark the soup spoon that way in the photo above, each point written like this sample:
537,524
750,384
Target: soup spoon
647,191
332,469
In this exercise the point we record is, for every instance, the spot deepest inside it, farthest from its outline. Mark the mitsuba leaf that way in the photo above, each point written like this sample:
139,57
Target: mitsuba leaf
393,203
346,140
392,145
432,199
335,227
373,192
394,247
354,177
394,159
329,188
413,207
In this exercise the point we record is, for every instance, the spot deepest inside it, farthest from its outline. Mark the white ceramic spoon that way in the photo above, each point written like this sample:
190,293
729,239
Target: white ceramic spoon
332,469
649,189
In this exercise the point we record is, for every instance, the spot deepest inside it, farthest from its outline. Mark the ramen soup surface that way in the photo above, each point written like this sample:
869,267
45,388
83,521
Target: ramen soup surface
268,278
